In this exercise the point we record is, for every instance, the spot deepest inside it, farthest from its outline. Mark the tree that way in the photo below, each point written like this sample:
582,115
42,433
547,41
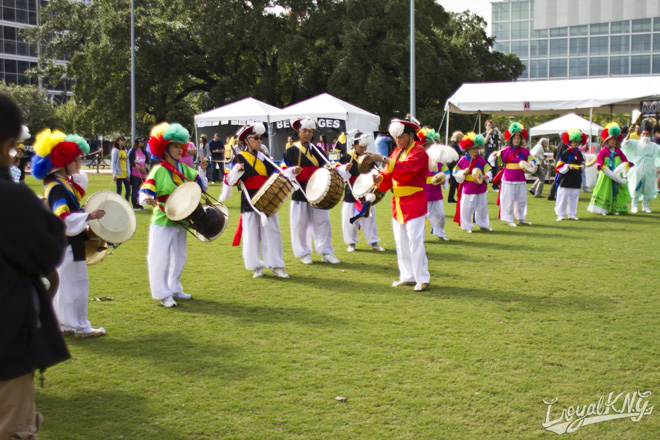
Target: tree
193,55
38,111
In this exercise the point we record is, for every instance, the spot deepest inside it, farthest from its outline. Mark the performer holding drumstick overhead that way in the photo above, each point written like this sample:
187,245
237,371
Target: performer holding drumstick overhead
57,161
168,241
253,169
307,222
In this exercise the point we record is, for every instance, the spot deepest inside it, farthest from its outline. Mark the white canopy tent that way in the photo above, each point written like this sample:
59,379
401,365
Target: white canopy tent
566,122
325,107
599,95
227,119
247,109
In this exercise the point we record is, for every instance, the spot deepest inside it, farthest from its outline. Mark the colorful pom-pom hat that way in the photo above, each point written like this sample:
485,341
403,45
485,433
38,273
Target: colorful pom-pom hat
612,130
165,133
574,135
514,128
55,150
472,140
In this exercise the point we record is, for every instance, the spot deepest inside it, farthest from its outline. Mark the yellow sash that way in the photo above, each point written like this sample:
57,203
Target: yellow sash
255,162
307,153
513,166
403,191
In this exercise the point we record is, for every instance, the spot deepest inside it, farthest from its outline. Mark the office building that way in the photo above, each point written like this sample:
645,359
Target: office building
564,39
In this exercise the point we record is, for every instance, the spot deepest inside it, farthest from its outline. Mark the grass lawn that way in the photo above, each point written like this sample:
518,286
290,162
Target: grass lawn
564,310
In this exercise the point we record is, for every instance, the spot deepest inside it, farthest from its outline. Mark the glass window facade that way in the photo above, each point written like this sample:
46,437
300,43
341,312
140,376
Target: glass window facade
619,48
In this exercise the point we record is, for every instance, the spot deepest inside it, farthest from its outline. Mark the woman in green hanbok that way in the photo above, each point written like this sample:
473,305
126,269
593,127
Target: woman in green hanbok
646,157
611,193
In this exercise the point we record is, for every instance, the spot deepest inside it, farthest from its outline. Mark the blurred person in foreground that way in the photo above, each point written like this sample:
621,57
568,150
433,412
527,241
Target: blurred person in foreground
32,242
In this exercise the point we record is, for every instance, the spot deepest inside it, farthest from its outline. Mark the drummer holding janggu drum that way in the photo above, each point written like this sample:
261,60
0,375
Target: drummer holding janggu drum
253,170
168,241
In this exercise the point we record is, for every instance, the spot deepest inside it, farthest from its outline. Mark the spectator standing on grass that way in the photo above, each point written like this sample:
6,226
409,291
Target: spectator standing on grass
191,154
492,143
383,142
120,166
138,158
456,138
204,154
217,148
538,151
32,241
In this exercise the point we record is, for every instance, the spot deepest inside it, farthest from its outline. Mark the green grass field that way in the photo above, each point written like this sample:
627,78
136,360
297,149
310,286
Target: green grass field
514,317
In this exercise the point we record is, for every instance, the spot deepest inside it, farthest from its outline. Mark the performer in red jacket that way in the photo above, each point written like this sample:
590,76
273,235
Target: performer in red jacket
404,172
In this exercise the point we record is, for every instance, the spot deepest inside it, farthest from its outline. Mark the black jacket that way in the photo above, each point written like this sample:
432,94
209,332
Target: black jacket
32,243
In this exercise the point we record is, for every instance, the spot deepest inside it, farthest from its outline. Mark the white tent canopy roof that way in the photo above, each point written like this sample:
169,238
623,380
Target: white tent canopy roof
566,122
242,110
325,106
603,95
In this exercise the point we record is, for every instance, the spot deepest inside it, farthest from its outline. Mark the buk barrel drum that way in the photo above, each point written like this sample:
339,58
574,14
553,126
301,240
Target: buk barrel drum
325,188
273,194
364,184
183,206
117,225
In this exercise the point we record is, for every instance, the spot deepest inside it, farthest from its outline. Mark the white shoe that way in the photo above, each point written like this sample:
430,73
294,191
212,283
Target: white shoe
634,209
487,229
523,222
351,248
559,219
258,272
182,295
377,247
306,260
403,283
573,218
444,238
168,302
280,272
468,231
512,224
646,209
93,333
420,287
330,258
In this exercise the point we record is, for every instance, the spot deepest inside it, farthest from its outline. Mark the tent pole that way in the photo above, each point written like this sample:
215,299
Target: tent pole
479,128
447,127
591,127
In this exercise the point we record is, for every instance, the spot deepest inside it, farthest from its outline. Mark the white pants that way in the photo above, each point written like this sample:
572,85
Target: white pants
410,251
436,216
268,238
567,200
310,224
645,201
477,205
70,302
168,250
513,201
367,224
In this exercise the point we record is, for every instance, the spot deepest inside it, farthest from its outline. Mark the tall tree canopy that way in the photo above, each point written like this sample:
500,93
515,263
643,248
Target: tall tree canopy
192,55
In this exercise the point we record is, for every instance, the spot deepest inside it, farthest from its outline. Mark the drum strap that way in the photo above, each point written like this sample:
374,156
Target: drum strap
67,186
177,176
254,161
308,154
